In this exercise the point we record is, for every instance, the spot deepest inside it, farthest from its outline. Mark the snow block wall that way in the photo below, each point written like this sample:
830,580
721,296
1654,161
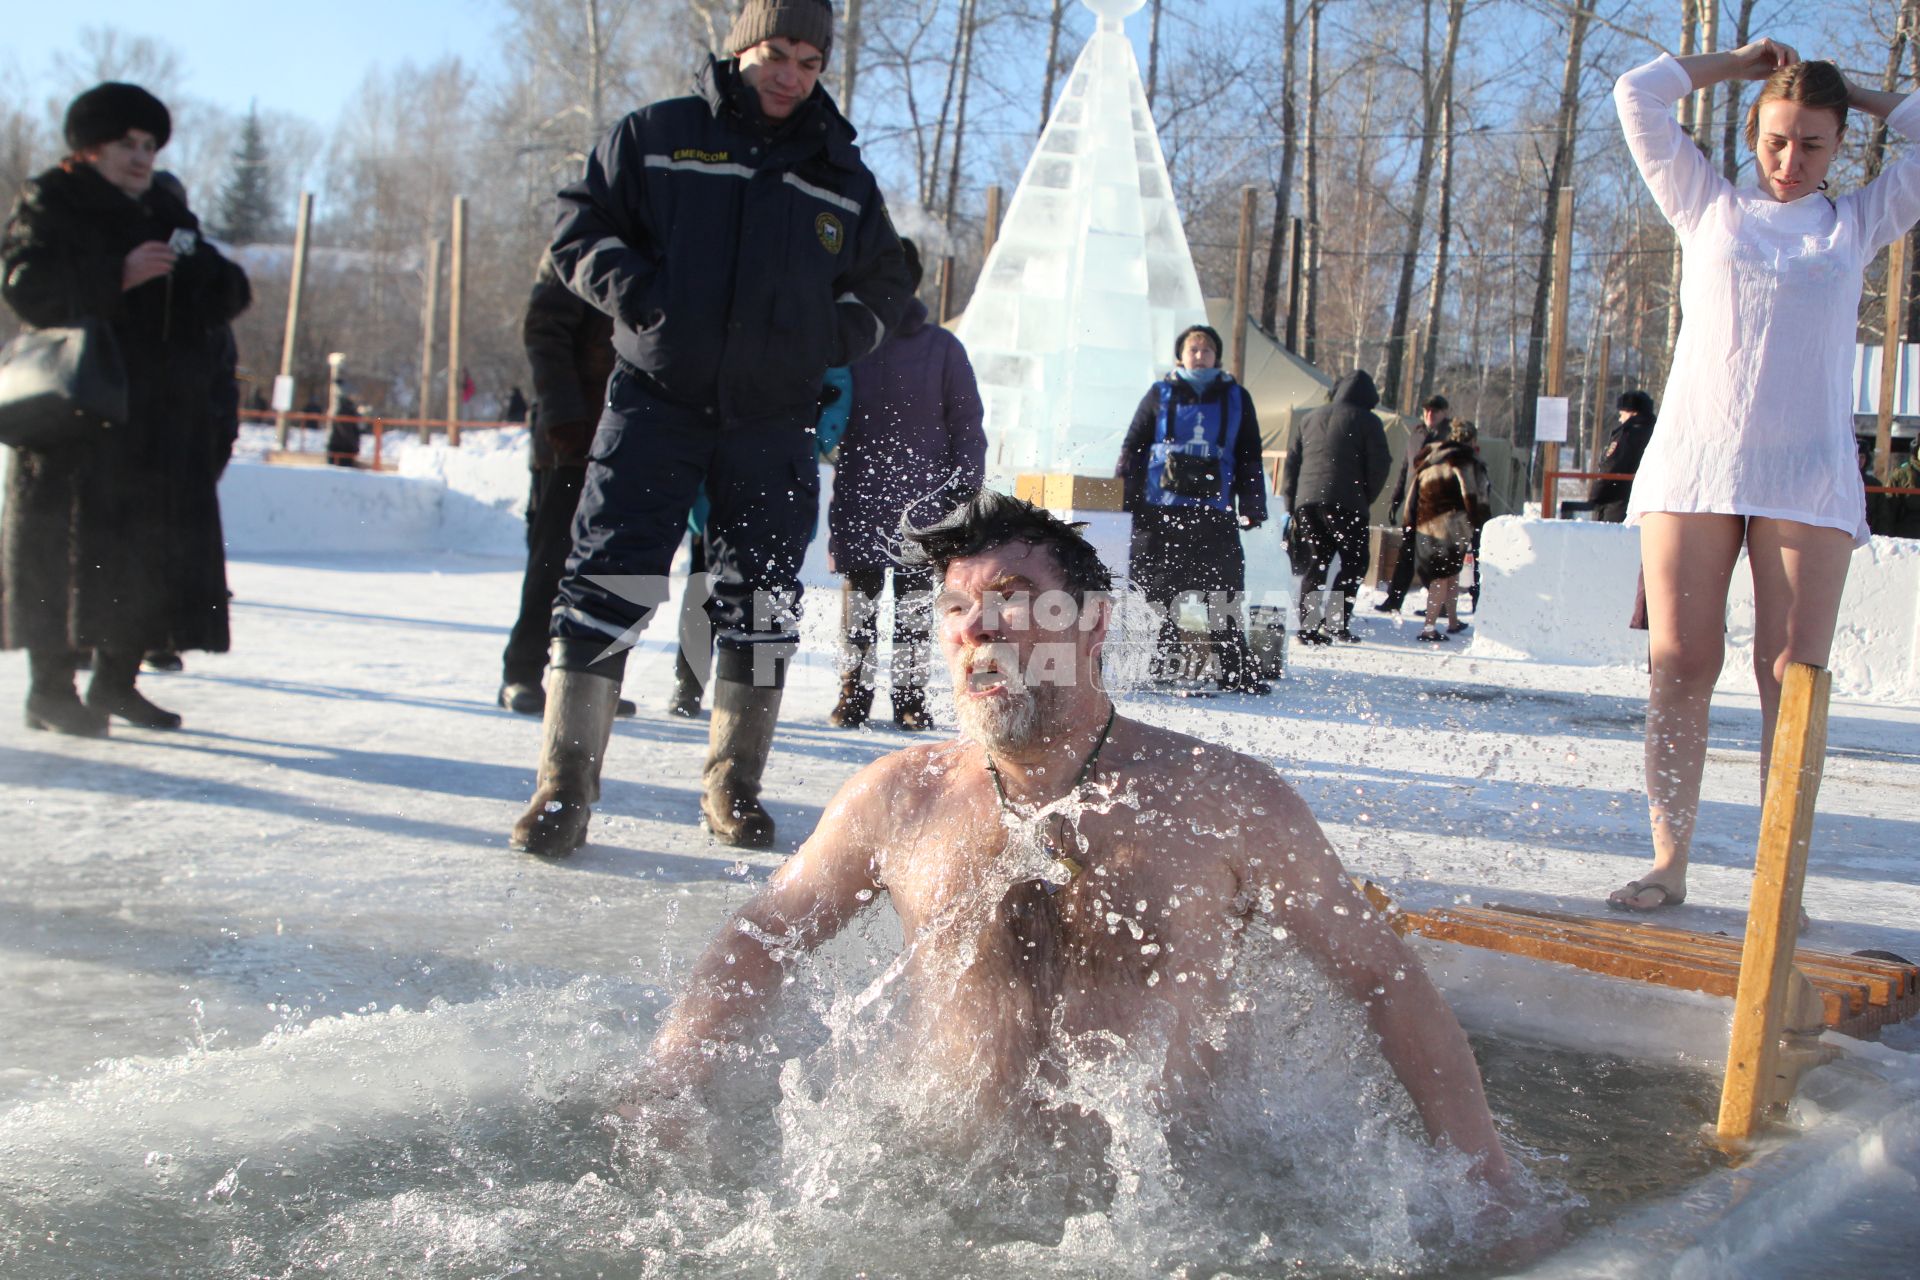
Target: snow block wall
281,510
1562,591
472,499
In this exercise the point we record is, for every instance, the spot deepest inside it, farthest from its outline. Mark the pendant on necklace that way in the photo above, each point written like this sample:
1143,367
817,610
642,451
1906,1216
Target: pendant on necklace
1059,874
1060,871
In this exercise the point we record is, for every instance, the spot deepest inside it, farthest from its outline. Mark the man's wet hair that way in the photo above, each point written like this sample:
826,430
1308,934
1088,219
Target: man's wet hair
987,519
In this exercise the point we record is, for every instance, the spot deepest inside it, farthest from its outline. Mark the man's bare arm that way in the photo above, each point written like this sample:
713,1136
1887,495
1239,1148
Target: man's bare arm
808,900
1316,902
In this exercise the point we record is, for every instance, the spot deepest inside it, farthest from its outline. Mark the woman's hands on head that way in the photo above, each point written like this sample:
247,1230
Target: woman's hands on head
1758,59
146,262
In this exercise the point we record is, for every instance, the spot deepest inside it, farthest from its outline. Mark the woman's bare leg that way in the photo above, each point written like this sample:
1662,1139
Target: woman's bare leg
1688,563
1439,598
1798,573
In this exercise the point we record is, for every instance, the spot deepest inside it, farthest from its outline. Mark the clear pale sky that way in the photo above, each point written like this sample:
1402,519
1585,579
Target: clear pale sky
302,58
309,58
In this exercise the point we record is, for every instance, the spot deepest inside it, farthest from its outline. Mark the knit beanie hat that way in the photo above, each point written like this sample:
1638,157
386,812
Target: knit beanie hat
107,112
1213,336
806,20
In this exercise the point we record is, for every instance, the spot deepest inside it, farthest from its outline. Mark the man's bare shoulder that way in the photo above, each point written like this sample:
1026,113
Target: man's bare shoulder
914,776
1204,769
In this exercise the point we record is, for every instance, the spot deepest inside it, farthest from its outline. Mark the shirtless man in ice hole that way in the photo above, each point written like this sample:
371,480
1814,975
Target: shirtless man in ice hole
1035,904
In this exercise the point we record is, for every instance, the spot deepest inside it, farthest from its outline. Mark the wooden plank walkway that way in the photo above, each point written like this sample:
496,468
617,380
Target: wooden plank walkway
1858,994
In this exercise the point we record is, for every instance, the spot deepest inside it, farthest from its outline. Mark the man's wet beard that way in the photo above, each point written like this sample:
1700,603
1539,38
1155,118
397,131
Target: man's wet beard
1001,724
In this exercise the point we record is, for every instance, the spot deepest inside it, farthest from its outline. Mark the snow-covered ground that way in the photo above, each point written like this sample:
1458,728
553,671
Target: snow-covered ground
328,830
317,860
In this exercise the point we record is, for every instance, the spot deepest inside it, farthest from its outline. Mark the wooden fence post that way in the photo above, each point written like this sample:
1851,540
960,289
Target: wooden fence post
456,314
290,340
1773,918
1242,281
430,303
1890,360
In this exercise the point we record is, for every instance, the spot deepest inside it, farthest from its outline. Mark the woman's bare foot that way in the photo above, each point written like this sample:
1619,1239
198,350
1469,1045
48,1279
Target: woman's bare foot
1648,894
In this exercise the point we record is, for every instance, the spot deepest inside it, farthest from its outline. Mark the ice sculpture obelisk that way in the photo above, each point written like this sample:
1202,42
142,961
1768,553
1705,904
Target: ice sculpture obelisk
1079,301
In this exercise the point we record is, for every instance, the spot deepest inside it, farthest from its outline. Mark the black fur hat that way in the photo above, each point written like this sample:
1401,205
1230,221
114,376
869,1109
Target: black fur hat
107,112
1636,402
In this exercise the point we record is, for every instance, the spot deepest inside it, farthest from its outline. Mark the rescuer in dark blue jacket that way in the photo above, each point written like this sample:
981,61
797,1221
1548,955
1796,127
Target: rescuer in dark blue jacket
741,247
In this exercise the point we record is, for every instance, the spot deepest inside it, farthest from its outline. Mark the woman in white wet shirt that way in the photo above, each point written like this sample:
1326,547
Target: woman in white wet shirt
1755,445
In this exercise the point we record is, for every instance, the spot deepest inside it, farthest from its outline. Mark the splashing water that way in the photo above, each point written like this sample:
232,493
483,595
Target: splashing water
479,1140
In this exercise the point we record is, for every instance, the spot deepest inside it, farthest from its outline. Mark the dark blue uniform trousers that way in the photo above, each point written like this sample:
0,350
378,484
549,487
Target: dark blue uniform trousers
649,460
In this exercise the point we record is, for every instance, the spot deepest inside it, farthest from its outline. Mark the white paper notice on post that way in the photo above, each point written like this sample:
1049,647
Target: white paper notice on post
283,394
1550,420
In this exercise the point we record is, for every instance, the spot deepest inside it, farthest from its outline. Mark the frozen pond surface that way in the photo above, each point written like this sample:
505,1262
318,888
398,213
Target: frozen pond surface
277,999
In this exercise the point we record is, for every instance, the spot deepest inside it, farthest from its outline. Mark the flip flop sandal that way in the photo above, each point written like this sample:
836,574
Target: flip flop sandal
1621,899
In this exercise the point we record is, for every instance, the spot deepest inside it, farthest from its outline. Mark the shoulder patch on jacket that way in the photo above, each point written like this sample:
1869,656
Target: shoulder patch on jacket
832,234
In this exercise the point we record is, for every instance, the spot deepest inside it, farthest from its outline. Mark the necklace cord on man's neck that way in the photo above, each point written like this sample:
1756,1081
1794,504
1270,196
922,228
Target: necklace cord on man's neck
1086,770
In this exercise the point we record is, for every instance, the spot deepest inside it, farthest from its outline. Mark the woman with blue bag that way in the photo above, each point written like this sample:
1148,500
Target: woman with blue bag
1191,463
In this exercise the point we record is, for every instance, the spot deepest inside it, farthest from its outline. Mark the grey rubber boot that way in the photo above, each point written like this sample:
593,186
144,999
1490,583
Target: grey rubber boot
739,741
578,723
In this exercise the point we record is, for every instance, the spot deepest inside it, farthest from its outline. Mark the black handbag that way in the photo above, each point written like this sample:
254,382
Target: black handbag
61,384
1192,471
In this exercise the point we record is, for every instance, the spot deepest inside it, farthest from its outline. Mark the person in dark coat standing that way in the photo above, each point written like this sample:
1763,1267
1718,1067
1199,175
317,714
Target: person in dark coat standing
742,247
1436,416
914,447
113,543
1336,466
1191,463
343,435
1625,446
570,349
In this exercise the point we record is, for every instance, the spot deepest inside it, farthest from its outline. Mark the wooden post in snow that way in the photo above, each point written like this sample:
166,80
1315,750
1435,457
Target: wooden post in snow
1890,359
302,226
992,232
1557,339
1773,918
429,315
1602,419
456,301
1243,279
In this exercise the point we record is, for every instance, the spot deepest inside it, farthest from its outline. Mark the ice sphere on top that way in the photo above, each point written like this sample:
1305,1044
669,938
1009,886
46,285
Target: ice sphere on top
1115,9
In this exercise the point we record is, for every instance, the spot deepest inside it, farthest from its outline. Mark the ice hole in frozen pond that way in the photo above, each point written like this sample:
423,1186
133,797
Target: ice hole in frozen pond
475,1139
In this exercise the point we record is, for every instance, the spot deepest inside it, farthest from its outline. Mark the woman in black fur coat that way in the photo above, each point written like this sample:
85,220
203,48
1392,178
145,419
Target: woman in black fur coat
111,542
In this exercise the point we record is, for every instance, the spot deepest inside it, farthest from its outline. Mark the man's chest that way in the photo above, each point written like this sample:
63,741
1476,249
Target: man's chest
1102,896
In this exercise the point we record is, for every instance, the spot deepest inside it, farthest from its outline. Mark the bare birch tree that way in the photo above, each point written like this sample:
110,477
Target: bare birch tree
1289,123
1436,89
1566,132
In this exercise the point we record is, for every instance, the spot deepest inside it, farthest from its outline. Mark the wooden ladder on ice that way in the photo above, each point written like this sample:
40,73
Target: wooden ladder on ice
1784,997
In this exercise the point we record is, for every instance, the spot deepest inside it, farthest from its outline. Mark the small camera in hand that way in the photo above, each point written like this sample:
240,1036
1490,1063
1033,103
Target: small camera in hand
184,241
